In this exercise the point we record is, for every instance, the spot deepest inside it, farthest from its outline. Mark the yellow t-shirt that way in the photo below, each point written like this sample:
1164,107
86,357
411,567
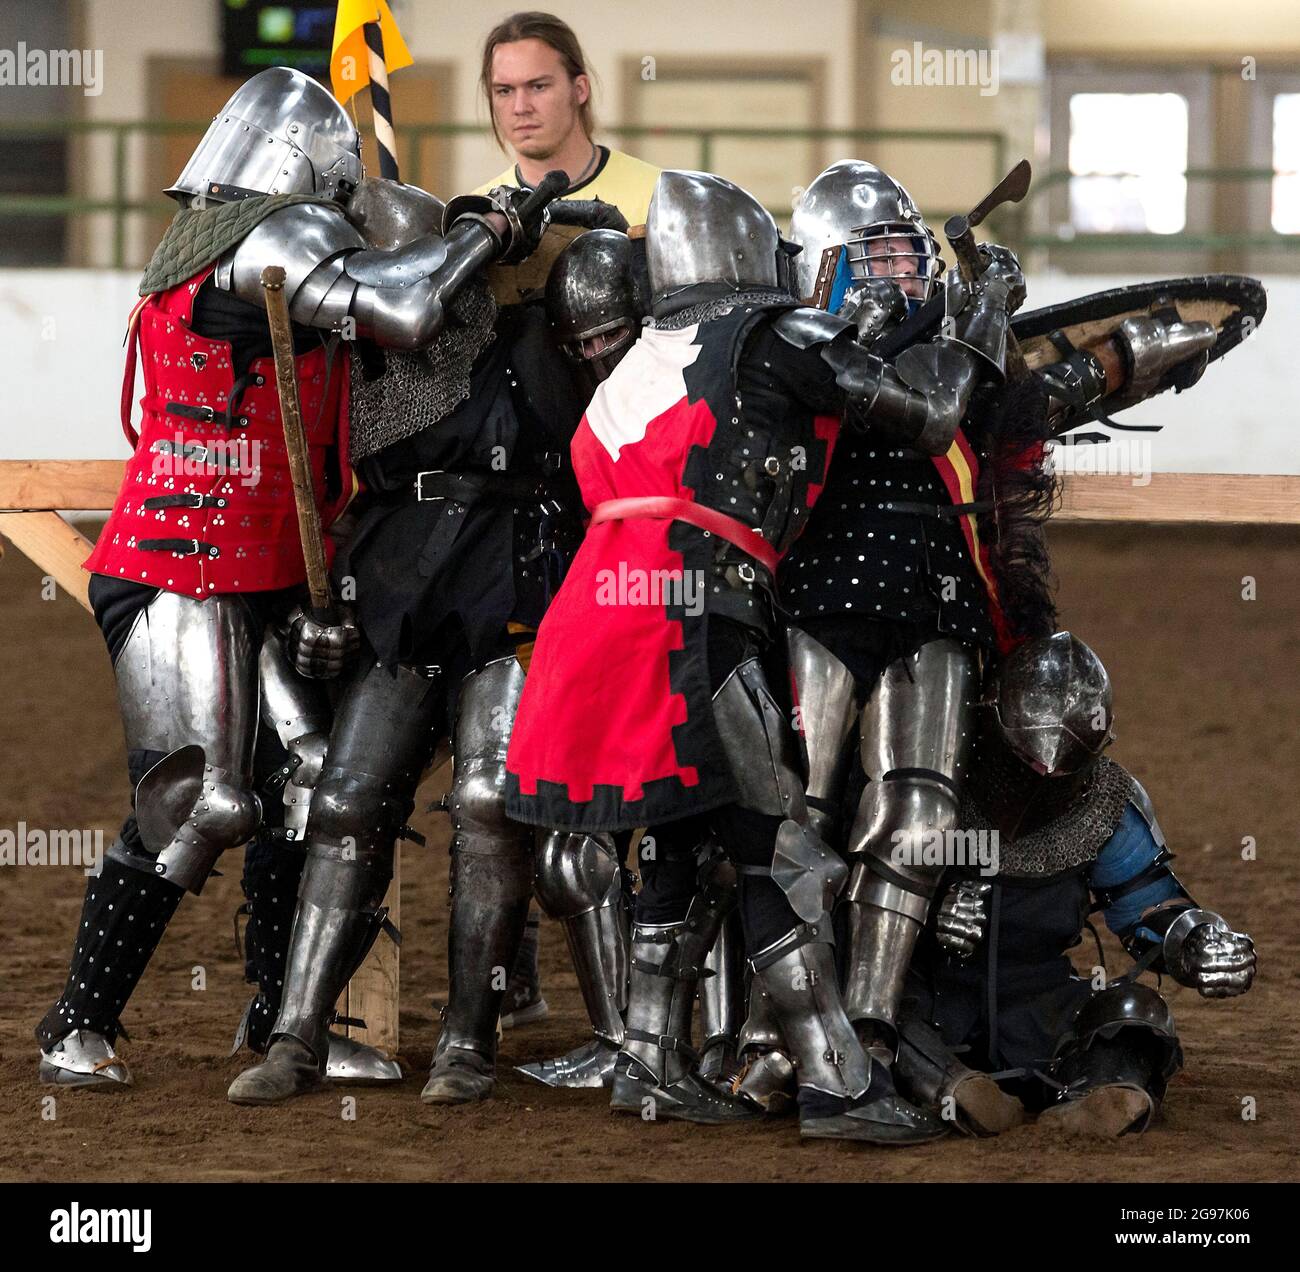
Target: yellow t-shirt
620,179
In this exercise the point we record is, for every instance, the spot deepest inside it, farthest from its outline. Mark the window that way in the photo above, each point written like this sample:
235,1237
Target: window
1127,154
1285,212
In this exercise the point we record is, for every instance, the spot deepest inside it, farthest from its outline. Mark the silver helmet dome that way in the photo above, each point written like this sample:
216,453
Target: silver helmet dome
1053,704
703,229
280,133
595,299
856,204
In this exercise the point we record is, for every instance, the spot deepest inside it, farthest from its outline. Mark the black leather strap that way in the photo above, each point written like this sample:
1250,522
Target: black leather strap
1157,869
467,487
796,938
188,500
183,547
665,1042
925,774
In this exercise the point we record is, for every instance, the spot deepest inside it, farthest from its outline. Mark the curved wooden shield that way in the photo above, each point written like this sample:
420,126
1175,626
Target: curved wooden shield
1233,303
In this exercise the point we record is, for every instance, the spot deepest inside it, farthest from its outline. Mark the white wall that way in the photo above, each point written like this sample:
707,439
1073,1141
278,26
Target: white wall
62,332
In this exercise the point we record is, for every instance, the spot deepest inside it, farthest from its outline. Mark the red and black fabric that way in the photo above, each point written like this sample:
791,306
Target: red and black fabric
615,728
206,505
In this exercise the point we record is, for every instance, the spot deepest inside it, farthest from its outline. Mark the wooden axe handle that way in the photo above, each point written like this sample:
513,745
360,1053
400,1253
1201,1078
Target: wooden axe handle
295,439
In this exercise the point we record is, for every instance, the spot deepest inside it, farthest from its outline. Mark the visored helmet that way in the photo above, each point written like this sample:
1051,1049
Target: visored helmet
596,300
1042,733
703,231
1053,704
280,133
855,204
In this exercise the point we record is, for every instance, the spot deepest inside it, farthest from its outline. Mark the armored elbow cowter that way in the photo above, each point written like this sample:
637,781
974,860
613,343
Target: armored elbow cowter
335,281
919,400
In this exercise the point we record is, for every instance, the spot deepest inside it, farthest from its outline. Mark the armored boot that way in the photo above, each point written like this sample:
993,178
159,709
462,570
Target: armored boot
491,888
929,1074
296,713
1102,1112
1114,1063
339,916
881,942
84,1058
842,1093
1111,1088
915,735
766,1076
653,1076
123,918
491,892
580,882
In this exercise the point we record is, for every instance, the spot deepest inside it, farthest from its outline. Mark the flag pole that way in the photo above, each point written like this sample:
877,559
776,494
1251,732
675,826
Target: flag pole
380,101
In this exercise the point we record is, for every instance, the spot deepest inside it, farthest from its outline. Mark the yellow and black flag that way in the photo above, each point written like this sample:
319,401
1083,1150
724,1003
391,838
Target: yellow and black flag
367,45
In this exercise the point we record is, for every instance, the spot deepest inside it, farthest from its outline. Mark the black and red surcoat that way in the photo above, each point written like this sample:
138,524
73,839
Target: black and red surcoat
719,434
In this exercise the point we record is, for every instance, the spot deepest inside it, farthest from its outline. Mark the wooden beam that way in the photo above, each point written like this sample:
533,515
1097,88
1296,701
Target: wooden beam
1215,498
53,484
1268,499
372,994
55,547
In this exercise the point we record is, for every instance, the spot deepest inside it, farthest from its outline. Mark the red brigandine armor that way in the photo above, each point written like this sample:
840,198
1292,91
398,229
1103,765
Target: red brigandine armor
206,504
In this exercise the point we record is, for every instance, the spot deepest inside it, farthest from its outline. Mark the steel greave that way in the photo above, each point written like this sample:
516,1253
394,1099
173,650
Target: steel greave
805,999
599,942
336,923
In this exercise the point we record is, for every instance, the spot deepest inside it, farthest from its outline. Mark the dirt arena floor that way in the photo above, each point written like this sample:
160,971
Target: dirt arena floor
1208,699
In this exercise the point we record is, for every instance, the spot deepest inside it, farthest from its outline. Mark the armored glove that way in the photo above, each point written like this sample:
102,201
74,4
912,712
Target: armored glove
322,651
526,214
527,227
961,919
1003,274
873,306
1204,953
591,214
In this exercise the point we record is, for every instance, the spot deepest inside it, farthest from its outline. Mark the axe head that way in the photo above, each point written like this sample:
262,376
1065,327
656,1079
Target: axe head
1011,189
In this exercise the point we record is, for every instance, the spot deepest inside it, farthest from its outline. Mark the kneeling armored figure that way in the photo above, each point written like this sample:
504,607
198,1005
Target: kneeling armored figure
1075,833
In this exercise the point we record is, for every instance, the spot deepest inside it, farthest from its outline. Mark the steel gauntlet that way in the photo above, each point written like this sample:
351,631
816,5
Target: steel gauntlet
322,651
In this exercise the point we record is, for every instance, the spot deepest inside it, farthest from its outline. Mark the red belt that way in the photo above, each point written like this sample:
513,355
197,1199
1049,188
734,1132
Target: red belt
746,538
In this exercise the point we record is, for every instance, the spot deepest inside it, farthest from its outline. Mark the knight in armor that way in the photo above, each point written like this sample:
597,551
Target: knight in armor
467,522
597,298
911,573
1075,833
200,556
651,701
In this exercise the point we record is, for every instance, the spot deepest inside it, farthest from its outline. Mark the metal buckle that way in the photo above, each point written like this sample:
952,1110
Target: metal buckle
419,485
746,572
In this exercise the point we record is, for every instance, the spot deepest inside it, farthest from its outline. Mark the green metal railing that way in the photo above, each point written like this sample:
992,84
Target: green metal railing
704,140
1178,242
1009,222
